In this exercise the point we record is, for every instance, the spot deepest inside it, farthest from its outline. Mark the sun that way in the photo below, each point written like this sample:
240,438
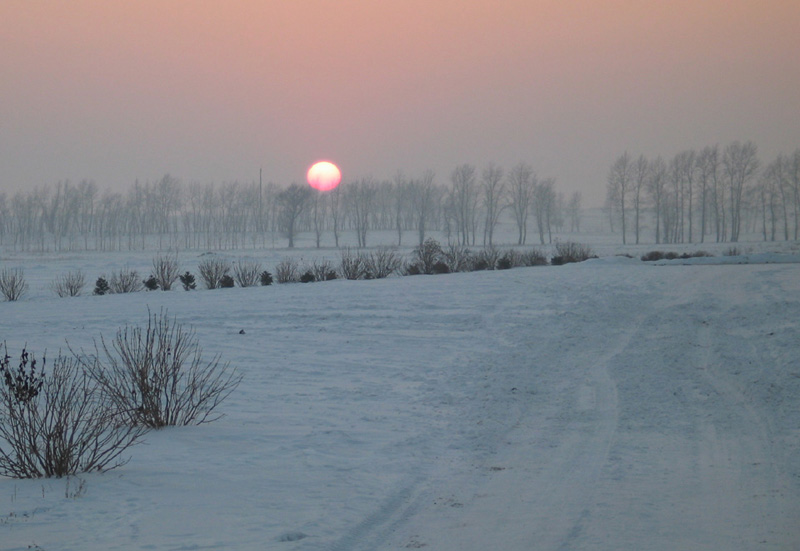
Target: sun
324,176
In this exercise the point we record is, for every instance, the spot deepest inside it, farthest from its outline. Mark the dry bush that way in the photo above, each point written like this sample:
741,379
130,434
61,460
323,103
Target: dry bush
533,257
287,271
12,283
427,258
458,258
352,265
156,376
246,273
57,424
486,259
165,271
652,256
570,251
509,259
70,284
212,270
322,270
382,262
126,281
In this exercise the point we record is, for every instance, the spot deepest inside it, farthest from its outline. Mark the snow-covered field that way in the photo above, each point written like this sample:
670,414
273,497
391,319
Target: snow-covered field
608,405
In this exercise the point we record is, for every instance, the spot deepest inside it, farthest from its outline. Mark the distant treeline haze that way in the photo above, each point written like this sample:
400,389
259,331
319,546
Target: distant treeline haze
172,214
710,192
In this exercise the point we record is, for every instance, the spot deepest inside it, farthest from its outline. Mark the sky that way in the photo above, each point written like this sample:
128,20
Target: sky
214,91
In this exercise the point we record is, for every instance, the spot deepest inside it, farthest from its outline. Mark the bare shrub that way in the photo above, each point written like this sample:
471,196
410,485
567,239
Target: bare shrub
382,262
427,258
352,265
533,257
486,259
509,259
246,273
732,251
57,424
126,281
156,376
322,270
696,254
458,258
287,271
652,256
212,270
70,284
12,283
570,251
165,270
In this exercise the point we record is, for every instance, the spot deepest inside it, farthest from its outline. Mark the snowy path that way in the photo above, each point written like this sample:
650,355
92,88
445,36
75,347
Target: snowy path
640,436
604,406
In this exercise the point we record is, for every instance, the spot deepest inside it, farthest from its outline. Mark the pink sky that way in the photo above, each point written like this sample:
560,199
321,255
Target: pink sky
212,91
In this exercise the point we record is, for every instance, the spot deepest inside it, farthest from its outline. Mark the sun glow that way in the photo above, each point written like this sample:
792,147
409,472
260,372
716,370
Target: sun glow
324,176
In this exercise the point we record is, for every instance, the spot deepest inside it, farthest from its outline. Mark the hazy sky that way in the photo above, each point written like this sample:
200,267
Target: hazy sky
211,91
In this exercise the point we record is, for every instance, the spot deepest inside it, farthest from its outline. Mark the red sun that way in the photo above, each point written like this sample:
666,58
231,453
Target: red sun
324,176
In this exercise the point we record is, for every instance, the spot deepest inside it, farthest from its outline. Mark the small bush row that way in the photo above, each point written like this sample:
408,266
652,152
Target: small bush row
218,273
432,258
652,256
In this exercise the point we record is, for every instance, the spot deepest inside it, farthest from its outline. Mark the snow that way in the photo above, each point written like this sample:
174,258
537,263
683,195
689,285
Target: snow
608,405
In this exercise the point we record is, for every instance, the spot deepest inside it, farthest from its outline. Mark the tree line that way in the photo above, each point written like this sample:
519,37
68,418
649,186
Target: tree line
708,192
171,214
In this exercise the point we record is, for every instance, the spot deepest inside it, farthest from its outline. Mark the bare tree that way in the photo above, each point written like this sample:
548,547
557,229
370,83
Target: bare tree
794,185
620,181
740,164
707,162
774,191
318,214
521,183
574,211
656,186
337,212
423,198
402,198
494,189
464,201
292,202
544,204
360,198
641,169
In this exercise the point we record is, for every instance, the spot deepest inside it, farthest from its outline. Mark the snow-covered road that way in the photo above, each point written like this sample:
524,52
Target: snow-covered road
664,416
